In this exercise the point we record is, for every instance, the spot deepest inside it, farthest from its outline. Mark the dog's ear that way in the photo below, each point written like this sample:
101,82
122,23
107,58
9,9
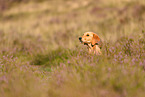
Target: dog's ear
95,39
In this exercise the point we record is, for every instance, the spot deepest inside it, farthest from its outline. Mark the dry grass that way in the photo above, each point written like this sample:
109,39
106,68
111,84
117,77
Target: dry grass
41,55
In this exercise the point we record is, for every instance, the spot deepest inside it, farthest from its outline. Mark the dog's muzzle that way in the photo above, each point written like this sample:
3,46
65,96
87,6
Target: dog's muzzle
80,38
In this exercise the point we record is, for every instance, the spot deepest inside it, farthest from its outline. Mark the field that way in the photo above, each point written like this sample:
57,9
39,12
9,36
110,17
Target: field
41,56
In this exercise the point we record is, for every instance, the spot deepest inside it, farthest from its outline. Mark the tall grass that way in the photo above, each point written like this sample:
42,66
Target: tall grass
40,54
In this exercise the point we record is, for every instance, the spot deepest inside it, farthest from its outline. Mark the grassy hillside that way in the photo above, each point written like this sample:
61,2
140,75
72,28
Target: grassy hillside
40,54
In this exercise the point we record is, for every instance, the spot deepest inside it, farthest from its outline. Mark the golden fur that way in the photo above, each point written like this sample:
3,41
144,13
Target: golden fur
93,41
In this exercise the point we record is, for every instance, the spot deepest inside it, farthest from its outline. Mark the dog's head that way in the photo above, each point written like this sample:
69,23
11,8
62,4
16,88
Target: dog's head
89,38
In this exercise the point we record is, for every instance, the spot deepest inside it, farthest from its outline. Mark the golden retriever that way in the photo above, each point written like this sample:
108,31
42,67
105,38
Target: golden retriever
93,41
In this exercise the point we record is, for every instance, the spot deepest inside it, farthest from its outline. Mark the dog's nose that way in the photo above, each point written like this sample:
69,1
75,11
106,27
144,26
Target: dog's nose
80,38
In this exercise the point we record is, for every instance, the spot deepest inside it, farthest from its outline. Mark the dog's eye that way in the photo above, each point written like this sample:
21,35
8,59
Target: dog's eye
87,34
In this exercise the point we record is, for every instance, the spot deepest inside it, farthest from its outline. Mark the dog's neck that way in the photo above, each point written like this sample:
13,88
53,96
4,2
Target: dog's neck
90,45
94,44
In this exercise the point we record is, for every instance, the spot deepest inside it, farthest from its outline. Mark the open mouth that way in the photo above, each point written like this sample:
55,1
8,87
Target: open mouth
81,41
85,44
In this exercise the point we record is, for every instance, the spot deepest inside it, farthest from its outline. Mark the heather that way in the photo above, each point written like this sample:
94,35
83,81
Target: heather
41,56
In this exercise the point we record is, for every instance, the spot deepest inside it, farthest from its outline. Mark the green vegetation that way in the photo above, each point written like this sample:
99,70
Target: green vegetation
40,54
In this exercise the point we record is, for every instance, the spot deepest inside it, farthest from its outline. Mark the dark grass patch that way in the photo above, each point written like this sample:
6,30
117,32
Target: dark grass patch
6,4
52,58
15,16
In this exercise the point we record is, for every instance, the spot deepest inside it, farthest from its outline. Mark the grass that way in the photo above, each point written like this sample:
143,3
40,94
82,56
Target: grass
40,54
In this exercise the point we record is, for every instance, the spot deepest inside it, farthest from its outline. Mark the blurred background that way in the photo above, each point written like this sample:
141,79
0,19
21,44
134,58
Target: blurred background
58,22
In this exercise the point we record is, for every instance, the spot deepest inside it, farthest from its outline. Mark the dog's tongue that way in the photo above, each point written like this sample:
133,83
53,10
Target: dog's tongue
80,41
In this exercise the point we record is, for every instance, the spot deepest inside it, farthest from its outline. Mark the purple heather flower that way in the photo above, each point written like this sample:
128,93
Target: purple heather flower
113,48
3,78
120,53
61,64
136,60
110,50
1,64
133,61
109,69
115,56
115,60
141,63
92,64
68,62
121,62
125,60
144,61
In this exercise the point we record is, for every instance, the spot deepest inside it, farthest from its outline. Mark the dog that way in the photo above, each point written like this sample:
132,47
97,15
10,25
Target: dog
93,42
